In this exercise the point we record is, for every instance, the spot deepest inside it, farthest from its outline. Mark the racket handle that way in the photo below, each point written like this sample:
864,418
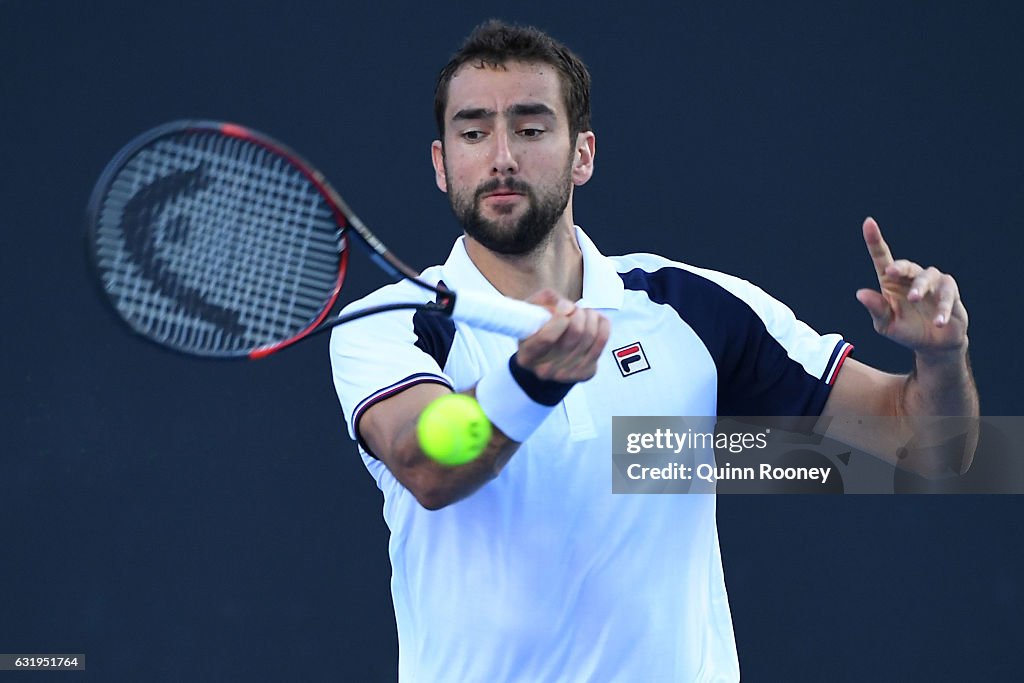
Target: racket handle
499,314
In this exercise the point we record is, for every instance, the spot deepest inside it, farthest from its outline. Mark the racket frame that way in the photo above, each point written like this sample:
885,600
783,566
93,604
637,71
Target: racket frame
349,224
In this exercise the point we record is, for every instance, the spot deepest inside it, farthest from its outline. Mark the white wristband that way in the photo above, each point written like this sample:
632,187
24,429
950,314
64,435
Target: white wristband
507,404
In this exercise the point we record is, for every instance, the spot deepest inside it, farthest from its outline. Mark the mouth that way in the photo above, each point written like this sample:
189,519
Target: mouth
503,189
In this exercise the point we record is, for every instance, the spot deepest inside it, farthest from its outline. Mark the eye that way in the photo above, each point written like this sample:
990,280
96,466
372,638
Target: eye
472,135
531,132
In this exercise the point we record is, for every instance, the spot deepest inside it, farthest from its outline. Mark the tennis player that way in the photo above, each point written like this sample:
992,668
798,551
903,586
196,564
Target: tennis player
521,565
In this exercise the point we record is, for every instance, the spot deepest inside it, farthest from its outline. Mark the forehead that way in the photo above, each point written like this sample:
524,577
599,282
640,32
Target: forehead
496,87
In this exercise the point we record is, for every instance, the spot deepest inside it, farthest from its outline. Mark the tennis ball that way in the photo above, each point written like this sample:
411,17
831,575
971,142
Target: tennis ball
453,429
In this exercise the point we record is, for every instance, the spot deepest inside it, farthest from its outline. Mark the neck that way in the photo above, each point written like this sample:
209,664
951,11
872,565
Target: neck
557,264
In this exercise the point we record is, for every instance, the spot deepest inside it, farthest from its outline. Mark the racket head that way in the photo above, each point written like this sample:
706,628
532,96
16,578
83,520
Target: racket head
215,240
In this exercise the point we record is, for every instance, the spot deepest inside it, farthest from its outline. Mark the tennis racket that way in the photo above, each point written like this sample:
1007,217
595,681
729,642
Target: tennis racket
215,240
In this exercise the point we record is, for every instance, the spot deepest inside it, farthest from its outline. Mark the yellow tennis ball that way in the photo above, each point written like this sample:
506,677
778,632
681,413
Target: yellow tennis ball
453,429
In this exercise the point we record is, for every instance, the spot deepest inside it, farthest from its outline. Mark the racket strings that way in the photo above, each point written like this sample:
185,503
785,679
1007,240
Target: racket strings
215,244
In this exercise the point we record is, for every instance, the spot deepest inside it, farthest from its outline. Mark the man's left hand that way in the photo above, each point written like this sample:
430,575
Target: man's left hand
917,307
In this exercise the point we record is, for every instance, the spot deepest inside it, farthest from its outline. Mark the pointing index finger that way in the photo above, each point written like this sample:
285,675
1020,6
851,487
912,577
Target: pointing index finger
877,248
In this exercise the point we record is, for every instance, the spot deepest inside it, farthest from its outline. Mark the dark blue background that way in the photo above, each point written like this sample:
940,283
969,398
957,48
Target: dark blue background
183,520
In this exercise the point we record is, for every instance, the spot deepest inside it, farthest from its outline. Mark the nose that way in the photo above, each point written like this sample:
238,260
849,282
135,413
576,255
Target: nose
504,162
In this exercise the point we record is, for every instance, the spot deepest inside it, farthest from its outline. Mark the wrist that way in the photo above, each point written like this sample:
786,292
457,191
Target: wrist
517,401
943,358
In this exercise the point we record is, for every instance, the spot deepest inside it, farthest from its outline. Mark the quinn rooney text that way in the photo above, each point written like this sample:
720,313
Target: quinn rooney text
711,473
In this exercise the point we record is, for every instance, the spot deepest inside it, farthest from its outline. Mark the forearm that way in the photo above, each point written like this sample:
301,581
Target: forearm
389,430
939,408
924,422
516,401
940,385
435,485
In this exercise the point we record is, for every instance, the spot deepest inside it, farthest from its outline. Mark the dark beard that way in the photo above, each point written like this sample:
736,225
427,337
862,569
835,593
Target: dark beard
530,231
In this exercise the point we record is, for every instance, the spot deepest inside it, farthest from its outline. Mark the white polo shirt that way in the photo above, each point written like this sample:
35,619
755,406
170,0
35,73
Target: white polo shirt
543,574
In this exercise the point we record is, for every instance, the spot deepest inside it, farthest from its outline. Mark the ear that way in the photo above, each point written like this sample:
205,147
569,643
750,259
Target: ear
437,158
583,158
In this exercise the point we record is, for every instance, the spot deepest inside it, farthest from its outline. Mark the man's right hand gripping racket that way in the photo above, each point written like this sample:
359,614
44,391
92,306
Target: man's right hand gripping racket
214,240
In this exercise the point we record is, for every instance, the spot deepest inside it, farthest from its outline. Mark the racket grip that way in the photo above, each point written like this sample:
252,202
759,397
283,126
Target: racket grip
499,314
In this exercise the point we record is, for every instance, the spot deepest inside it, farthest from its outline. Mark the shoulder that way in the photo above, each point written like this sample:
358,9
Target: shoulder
390,335
669,281
722,308
386,332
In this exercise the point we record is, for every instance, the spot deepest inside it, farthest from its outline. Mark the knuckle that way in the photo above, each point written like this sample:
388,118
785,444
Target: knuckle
570,339
553,329
544,370
543,296
565,375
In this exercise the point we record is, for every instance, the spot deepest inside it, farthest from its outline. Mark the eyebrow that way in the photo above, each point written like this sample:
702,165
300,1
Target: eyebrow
526,109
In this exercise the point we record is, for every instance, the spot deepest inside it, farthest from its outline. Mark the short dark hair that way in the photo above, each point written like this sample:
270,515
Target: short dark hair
495,43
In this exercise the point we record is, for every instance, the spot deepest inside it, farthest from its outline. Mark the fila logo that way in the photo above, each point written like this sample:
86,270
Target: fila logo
631,359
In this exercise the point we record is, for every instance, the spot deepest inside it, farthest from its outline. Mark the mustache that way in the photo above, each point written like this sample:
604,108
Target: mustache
508,184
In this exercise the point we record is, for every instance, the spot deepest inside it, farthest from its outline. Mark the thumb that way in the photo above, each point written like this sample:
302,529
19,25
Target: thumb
878,307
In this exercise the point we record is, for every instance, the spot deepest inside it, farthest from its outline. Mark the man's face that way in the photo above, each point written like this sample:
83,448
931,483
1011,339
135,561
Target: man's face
507,163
